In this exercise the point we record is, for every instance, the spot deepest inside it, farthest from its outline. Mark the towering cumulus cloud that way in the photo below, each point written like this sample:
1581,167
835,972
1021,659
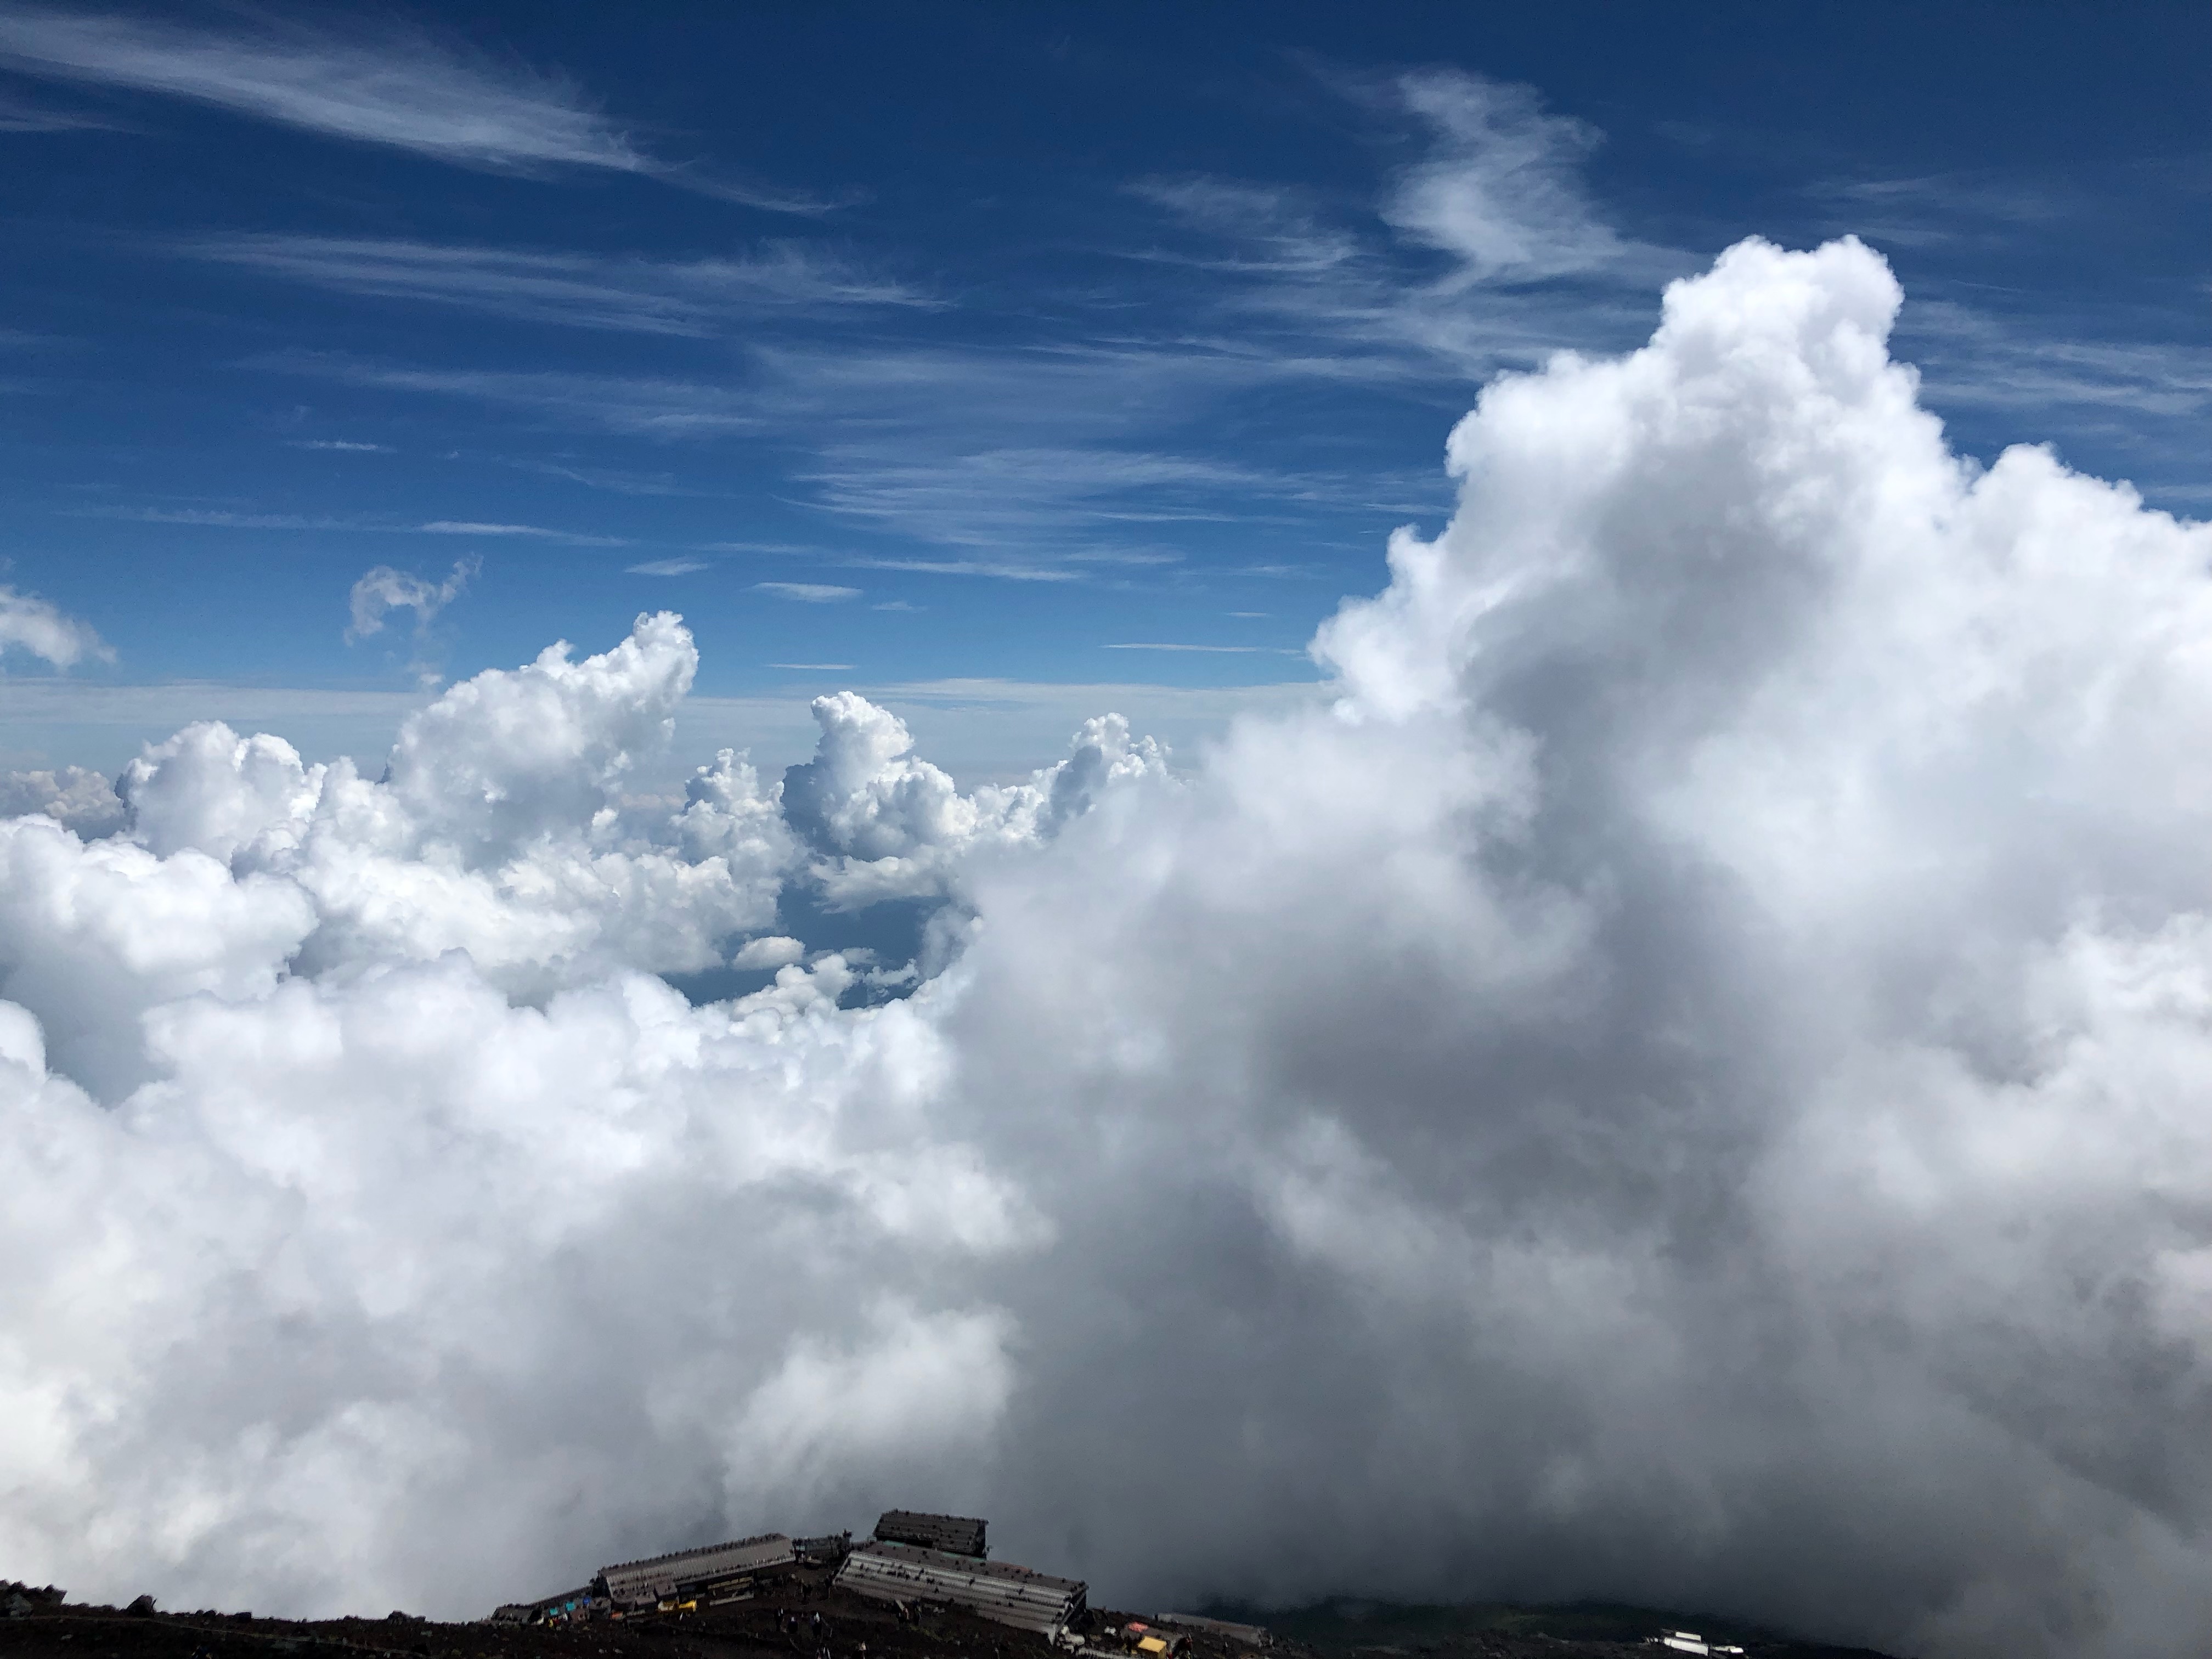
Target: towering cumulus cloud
1685,1084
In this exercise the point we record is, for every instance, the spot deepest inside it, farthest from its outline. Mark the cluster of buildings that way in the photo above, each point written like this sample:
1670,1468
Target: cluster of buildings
913,1560
1688,1641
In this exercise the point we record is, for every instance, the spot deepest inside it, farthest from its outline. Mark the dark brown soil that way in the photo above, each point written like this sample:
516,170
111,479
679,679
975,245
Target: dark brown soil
852,1627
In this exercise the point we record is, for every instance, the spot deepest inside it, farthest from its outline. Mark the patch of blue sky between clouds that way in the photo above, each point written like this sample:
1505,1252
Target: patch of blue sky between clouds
632,327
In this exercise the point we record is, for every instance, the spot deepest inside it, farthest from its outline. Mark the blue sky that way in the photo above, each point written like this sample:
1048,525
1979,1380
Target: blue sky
1006,362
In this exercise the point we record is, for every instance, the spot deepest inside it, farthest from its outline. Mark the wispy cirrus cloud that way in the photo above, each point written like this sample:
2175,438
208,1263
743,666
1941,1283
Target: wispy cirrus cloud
620,481
677,566
1946,209
529,531
1015,497
1969,355
214,518
1501,190
1013,570
1224,650
1079,450
434,95
808,592
19,115
1332,287
690,297
1016,456
1271,229
643,405
221,519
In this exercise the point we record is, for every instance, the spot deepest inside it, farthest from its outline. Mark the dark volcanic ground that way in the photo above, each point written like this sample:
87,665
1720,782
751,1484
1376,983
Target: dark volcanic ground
855,1628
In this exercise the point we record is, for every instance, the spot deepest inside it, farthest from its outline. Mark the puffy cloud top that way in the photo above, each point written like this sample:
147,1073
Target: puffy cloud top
1684,1085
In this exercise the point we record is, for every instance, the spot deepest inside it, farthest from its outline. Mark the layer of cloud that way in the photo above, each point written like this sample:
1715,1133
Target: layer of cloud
36,628
1682,1085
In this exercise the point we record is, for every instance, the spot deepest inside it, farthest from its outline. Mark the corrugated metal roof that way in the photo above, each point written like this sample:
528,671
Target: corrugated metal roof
956,1535
996,1589
659,1575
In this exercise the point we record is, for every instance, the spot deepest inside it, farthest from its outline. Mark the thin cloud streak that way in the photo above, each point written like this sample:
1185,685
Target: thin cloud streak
807,593
1227,650
1006,571
465,528
1498,192
694,298
224,520
436,97
217,518
17,116
406,90
1970,358
638,405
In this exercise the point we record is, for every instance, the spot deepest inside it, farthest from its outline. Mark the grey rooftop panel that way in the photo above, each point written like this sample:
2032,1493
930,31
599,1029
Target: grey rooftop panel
996,1589
956,1535
658,1575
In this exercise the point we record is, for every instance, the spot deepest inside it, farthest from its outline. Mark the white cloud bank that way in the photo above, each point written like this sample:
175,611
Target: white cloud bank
1686,1085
